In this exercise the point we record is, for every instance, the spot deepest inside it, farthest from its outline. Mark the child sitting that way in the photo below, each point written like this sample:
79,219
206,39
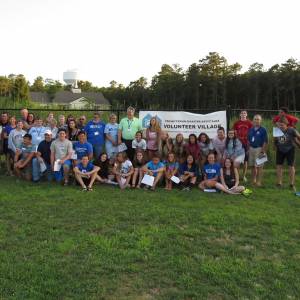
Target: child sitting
171,169
230,179
138,163
154,168
211,173
188,173
86,173
123,170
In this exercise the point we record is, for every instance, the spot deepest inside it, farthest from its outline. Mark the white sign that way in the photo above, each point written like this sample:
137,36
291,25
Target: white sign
185,122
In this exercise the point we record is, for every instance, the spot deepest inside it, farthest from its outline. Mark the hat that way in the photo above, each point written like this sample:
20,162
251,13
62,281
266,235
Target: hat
48,132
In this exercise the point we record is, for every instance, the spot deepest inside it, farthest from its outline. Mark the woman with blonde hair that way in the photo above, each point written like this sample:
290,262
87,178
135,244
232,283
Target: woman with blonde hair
152,137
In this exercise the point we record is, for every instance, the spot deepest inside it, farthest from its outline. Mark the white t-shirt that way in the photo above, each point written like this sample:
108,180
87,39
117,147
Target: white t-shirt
139,145
126,166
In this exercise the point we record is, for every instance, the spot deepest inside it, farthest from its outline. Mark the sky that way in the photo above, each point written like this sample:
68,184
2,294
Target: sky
123,40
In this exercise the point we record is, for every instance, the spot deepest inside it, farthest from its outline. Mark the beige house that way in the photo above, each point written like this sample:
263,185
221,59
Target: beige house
70,100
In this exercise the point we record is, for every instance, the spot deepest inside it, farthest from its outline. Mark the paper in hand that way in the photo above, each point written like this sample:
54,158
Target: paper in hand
148,180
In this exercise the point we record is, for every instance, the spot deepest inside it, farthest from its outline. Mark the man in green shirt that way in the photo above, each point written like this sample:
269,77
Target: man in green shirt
127,129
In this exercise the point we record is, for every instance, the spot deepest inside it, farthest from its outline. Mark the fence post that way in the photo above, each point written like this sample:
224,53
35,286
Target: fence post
118,115
228,116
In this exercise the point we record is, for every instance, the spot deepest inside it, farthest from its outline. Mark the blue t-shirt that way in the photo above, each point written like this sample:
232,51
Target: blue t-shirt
7,128
257,137
112,130
153,167
86,169
212,170
95,132
84,149
184,168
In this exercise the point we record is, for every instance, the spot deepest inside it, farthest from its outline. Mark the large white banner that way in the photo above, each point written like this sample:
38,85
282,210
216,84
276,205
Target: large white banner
185,122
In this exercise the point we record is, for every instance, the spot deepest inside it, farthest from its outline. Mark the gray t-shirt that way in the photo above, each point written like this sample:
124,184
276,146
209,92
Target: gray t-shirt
285,143
61,149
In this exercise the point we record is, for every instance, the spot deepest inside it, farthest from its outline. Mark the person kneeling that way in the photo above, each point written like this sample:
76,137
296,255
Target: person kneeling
230,179
86,173
123,170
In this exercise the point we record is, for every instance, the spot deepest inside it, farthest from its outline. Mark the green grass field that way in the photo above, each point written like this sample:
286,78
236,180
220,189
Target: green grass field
61,243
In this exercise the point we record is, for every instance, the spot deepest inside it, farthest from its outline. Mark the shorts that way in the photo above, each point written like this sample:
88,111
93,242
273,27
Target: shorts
289,156
27,170
253,155
240,159
59,175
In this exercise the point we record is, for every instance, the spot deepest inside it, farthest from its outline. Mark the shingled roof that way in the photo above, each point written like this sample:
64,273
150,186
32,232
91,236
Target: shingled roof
66,97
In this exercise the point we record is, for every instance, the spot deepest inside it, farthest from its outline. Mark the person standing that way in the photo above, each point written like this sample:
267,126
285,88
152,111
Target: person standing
37,132
258,141
285,150
284,112
111,136
15,137
128,127
241,128
95,134
219,144
61,153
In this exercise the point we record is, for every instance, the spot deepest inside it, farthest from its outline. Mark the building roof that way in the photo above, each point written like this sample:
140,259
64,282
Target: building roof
66,97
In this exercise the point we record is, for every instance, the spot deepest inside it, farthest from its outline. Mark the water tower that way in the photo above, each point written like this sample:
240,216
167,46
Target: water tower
71,78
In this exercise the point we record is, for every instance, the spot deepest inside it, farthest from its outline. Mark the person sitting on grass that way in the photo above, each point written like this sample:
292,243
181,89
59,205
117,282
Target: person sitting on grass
139,143
138,163
23,158
211,173
86,173
61,153
154,168
285,150
171,169
188,173
234,149
103,164
229,179
123,170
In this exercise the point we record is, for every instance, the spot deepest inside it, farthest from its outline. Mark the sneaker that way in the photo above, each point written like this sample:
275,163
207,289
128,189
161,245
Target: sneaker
247,192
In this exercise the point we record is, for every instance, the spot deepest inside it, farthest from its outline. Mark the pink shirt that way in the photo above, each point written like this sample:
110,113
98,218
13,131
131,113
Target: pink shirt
152,140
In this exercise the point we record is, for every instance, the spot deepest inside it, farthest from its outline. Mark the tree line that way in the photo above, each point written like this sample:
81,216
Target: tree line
211,82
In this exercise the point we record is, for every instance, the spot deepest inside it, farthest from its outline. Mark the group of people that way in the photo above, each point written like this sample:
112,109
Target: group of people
125,154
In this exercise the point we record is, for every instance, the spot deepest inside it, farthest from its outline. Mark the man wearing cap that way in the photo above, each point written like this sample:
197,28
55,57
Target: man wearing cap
43,156
128,127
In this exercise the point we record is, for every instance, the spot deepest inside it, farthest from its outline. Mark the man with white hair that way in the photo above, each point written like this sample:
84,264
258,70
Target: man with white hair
128,127
43,159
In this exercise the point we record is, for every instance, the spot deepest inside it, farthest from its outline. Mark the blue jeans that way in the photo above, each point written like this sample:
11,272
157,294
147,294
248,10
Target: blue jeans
36,173
59,175
97,151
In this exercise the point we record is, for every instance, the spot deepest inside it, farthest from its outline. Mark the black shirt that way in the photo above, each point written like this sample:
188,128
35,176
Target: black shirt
44,149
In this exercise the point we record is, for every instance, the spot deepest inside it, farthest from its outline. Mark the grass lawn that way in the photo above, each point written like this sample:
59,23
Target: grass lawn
61,243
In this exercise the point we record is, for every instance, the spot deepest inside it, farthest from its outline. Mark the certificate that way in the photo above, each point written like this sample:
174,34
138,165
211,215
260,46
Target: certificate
57,166
175,179
148,180
277,132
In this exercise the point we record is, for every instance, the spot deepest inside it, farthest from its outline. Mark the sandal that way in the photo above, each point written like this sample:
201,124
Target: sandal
89,189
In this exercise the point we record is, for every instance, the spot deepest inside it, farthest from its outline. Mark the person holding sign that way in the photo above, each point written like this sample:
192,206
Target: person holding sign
86,173
95,134
258,141
285,150
61,153
154,168
128,127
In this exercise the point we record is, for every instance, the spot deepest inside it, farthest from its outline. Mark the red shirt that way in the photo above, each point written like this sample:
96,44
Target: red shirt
291,119
241,128
193,149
